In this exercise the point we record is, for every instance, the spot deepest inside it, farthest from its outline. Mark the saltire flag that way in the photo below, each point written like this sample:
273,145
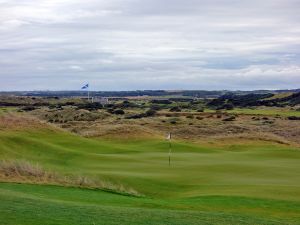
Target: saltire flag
85,86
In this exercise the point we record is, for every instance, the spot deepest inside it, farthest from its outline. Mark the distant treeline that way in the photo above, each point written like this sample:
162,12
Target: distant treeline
157,93
229,101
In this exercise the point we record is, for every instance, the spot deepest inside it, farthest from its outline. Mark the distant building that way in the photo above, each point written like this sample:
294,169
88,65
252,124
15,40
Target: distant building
101,100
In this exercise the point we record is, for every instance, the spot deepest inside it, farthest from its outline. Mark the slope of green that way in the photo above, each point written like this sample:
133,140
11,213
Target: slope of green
257,169
242,183
34,205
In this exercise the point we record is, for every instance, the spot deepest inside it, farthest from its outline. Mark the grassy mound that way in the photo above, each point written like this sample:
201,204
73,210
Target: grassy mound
235,182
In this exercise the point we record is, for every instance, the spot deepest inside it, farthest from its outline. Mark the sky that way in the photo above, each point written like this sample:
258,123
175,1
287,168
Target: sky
149,44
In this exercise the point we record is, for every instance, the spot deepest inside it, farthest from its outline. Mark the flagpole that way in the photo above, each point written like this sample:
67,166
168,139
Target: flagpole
170,148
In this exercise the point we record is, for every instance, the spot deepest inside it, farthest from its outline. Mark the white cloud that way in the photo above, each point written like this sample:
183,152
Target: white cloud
155,44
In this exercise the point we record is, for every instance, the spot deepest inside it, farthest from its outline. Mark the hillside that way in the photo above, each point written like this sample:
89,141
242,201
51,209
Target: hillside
240,182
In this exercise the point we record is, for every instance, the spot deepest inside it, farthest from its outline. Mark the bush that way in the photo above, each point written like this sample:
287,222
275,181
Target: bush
119,112
294,117
90,106
175,109
173,120
150,112
28,108
199,118
135,116
228,106
200,110
156,107
190,117
161,101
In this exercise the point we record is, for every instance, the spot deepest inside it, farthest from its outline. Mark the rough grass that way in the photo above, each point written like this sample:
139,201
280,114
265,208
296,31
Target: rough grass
26,172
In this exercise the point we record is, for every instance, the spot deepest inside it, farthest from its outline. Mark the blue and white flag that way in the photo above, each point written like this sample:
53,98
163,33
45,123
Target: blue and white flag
85,86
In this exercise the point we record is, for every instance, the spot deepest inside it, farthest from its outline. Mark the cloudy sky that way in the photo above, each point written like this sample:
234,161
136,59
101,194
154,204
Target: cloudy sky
149,44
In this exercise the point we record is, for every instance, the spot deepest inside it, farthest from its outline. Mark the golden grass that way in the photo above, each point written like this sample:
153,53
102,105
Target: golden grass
12,121
22,171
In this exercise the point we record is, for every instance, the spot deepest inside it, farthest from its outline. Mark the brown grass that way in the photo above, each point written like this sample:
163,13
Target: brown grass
22,171
15,122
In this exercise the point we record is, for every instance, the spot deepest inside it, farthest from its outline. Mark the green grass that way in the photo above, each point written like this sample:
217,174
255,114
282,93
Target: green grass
245,183
267,112
4,110
34,204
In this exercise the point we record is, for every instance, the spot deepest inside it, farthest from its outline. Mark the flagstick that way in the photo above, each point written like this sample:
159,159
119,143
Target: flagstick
170,148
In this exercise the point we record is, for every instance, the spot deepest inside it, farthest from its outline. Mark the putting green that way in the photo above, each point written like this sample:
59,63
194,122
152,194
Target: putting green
245,183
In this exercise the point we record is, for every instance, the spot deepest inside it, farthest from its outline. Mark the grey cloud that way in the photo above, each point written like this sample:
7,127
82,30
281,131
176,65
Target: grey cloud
143,44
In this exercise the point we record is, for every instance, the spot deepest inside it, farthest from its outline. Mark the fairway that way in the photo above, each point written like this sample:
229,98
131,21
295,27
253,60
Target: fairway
249,182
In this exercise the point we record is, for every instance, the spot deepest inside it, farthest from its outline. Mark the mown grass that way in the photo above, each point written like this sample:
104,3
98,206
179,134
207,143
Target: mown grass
244,183
34,204
258,169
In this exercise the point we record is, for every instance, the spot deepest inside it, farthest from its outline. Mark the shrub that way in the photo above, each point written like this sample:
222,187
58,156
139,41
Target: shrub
199,118
28,108
173,120
90,106
156,107
119,112
110,110
150,112
175,109
227,106
190,116
161,101
135,116
294,117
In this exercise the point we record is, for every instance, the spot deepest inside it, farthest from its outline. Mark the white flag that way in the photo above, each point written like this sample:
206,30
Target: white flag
169,136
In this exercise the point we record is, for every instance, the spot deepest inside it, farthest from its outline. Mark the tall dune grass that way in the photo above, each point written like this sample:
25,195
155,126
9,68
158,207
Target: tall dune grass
26,172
